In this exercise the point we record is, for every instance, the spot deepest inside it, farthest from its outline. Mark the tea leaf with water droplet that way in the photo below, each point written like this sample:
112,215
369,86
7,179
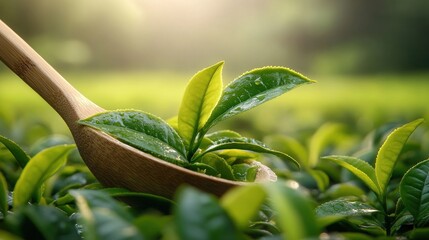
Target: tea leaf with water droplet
143,131
340,207
252,89
103,217
198,215
245,144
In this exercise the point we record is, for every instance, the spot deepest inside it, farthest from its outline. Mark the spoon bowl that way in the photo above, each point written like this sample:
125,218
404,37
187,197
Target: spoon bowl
112,162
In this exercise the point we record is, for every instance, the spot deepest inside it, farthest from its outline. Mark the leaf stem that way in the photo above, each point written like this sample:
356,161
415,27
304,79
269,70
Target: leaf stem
387,223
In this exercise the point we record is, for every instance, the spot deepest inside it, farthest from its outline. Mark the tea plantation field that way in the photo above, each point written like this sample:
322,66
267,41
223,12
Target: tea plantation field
361,142
362,102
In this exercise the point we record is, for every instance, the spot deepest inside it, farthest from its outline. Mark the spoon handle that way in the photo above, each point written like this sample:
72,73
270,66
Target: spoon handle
42,78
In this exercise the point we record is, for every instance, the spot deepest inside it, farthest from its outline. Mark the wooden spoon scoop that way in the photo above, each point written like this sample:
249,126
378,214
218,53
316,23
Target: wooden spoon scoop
113,163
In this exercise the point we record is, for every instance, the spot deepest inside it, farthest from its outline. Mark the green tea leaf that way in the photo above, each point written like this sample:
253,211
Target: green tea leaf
321,178
419,233
233,156
358,167
245,172
346,208
42,222
242,203
245,144
295,213
42,166
323,222
222,134
252,89
199,216
389,152
3,195
156,222
203,168
341,190
143,131
20,155
208,139
400,221
218,163
137,199
288,145
140,199
414,190
104,218
326,134
201,96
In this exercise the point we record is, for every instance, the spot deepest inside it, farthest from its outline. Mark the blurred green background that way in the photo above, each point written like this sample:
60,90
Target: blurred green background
370,58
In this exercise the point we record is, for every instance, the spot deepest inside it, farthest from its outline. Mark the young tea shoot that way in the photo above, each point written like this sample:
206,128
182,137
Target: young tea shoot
186,141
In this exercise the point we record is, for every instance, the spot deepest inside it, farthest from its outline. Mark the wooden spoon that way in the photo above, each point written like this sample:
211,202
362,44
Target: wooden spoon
113,163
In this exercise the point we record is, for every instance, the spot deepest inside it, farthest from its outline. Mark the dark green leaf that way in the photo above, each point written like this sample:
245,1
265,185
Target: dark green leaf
419,233
99,199
3,195
389,152
252,89
344,208
203,168
20,155
42,166
325,221
152,226
404,220
136,199
143,131
4,235
200,98
140,199
42,222
245,144
414,190
199,216
103,218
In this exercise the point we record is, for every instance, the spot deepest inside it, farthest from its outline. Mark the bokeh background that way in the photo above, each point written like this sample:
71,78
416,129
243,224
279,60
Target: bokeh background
370,58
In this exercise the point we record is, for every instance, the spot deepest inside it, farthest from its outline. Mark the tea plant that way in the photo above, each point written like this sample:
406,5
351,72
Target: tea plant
55,197
204,105
50,194
377,179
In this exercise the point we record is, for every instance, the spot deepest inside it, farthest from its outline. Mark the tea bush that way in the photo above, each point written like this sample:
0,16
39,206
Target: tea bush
348,188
